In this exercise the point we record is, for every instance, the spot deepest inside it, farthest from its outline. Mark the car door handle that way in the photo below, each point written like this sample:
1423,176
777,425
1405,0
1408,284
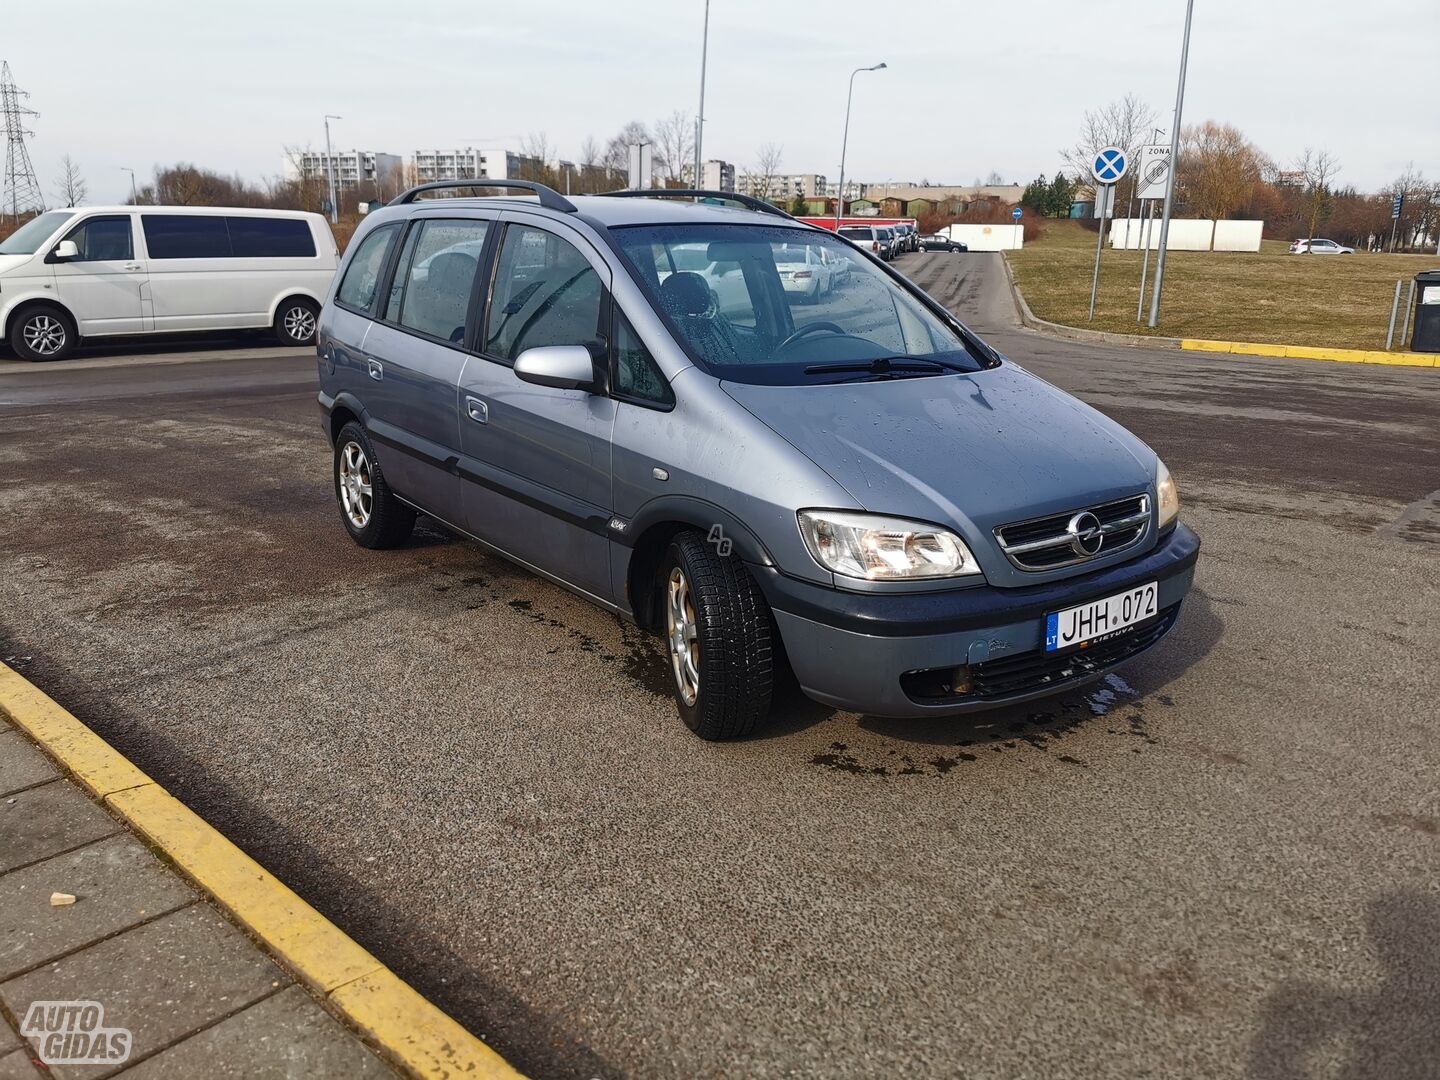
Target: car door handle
377,370
477,410
133,266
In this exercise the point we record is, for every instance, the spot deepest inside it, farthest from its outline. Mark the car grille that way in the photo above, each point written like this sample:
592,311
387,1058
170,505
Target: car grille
1045,544
1026,673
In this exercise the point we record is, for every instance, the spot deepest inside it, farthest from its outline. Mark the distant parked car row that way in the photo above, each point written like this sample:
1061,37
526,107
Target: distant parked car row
886,241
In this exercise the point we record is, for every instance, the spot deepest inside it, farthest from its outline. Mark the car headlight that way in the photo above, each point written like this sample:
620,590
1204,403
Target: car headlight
879,548
1166,495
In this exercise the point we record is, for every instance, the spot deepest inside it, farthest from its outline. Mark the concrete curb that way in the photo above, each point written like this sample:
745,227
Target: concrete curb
1235,348
411,1033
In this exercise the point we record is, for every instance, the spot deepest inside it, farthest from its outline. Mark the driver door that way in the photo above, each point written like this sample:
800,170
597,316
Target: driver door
105,286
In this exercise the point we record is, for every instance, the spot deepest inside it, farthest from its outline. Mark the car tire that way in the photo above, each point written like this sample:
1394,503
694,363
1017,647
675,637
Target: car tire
43,332
295,322
719,639
373,515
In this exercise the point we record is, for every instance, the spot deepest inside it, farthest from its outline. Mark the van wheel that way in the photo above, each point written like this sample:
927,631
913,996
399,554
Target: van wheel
43,332
295,322
718,632
373,516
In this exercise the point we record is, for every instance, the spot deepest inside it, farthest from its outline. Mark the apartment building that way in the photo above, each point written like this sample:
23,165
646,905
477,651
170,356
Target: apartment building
352,168
715,175
470,163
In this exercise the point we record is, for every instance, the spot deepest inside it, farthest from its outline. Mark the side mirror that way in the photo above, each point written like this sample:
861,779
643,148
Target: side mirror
562,367
65,249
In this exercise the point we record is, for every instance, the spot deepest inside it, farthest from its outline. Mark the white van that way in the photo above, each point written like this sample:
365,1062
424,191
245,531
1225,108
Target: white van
101,271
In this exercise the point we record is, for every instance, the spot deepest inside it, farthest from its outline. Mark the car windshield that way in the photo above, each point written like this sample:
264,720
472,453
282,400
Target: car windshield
27,239
721,290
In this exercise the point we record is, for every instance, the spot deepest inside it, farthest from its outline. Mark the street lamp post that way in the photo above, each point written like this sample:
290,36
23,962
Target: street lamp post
134,194
567,166
845,142
700,116
330,169
1170,178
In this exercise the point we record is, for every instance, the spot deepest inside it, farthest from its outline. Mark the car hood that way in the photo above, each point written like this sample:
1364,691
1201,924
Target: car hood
971,451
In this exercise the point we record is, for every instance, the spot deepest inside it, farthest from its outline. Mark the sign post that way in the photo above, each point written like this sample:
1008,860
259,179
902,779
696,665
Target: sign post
1154,167
1170,175
1396,206
1109,166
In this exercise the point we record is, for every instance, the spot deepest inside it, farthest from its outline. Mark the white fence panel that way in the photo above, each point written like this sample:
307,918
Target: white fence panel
988,237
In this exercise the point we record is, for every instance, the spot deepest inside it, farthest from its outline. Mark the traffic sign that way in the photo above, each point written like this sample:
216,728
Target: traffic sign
1154,171
1109,165
1396,206
1017,213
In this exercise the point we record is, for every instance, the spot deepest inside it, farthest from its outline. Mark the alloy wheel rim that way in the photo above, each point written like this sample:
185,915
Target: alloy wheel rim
44,335
683,635
300,323
357,494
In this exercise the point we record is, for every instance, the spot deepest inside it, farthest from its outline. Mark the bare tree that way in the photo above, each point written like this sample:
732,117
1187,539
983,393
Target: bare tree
307,187
675,146
994,179
1219,170
537,152
1318,168
71,187
759,181
1128,123
616,158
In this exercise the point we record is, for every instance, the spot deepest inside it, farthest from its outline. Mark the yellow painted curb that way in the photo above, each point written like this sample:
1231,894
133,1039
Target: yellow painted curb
1308,352
411,1032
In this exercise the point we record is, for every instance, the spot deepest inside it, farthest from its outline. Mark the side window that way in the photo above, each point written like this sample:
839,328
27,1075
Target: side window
438,270
186,236
546,293
271,238
362,275
636,373
103,239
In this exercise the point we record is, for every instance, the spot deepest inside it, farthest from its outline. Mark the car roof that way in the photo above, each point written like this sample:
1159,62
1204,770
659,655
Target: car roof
603,212
232,211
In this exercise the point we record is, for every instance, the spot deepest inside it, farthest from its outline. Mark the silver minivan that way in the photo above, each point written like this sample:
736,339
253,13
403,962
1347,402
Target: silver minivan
621,395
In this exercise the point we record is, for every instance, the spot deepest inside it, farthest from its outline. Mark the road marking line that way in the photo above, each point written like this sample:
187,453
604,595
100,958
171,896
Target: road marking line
411,1032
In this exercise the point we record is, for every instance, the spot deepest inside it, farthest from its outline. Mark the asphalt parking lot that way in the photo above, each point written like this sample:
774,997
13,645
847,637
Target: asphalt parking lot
1223,862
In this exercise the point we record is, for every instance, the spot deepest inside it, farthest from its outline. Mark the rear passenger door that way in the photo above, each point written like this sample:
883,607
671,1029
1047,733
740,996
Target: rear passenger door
535,460
414,354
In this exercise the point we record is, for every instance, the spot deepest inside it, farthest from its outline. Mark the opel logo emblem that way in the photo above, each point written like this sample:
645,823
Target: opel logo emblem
1085,534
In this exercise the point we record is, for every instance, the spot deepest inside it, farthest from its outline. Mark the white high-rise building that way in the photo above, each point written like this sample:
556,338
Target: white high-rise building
471,163
715,175
352,168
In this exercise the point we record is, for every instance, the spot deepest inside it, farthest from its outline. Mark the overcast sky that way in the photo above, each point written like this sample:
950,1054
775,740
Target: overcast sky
227,86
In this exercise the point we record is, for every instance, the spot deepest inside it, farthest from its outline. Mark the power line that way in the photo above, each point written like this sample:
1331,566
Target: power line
21,191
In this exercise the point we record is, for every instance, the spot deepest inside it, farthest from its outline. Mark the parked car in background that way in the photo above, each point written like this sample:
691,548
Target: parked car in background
838,263
750,488
912,236
888,242
802,271
941,242
1317,246
866,237
73,275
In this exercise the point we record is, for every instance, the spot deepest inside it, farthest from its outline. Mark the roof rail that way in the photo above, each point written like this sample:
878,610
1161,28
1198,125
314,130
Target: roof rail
747,201
549,197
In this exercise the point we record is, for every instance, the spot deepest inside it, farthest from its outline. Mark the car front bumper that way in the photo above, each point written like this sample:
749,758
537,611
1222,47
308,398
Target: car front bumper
857,651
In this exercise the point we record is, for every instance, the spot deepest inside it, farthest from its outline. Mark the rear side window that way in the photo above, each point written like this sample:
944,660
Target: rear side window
103,239
546,293
186,236
362,275
270,238
441,260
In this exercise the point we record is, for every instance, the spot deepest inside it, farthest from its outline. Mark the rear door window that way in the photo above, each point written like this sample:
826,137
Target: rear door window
545,293
186,236
442,257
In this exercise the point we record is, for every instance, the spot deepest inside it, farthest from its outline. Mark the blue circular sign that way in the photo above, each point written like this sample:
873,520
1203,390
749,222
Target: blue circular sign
1016,213
1110,165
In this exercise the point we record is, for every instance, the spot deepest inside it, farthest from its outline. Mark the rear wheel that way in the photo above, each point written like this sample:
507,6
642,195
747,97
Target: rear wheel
295,322
43,332
374,517
719,636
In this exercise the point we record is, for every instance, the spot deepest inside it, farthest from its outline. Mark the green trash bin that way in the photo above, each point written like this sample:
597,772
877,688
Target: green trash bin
1426,335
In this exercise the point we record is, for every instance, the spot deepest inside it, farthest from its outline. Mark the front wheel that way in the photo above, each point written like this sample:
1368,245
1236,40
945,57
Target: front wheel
717,628
43,333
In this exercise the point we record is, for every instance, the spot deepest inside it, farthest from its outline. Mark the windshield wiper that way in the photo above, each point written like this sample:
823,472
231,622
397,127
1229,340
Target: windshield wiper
887,365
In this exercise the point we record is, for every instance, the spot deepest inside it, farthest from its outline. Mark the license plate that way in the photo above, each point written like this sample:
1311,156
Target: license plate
1101,619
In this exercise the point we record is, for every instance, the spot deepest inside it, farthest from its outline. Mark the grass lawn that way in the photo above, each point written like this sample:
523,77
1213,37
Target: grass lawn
1335,301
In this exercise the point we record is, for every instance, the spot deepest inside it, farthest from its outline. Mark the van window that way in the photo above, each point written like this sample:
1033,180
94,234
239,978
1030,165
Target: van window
636,373
270,238
186,236
546,293
439,273
362,275
103,239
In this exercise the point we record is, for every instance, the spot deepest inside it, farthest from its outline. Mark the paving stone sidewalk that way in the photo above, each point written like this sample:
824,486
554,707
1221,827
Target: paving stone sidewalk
196,995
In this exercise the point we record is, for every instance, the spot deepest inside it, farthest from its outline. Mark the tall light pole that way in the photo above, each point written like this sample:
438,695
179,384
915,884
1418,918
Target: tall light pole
134,195
845,141
567,166
700,116
330,169
1174,167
